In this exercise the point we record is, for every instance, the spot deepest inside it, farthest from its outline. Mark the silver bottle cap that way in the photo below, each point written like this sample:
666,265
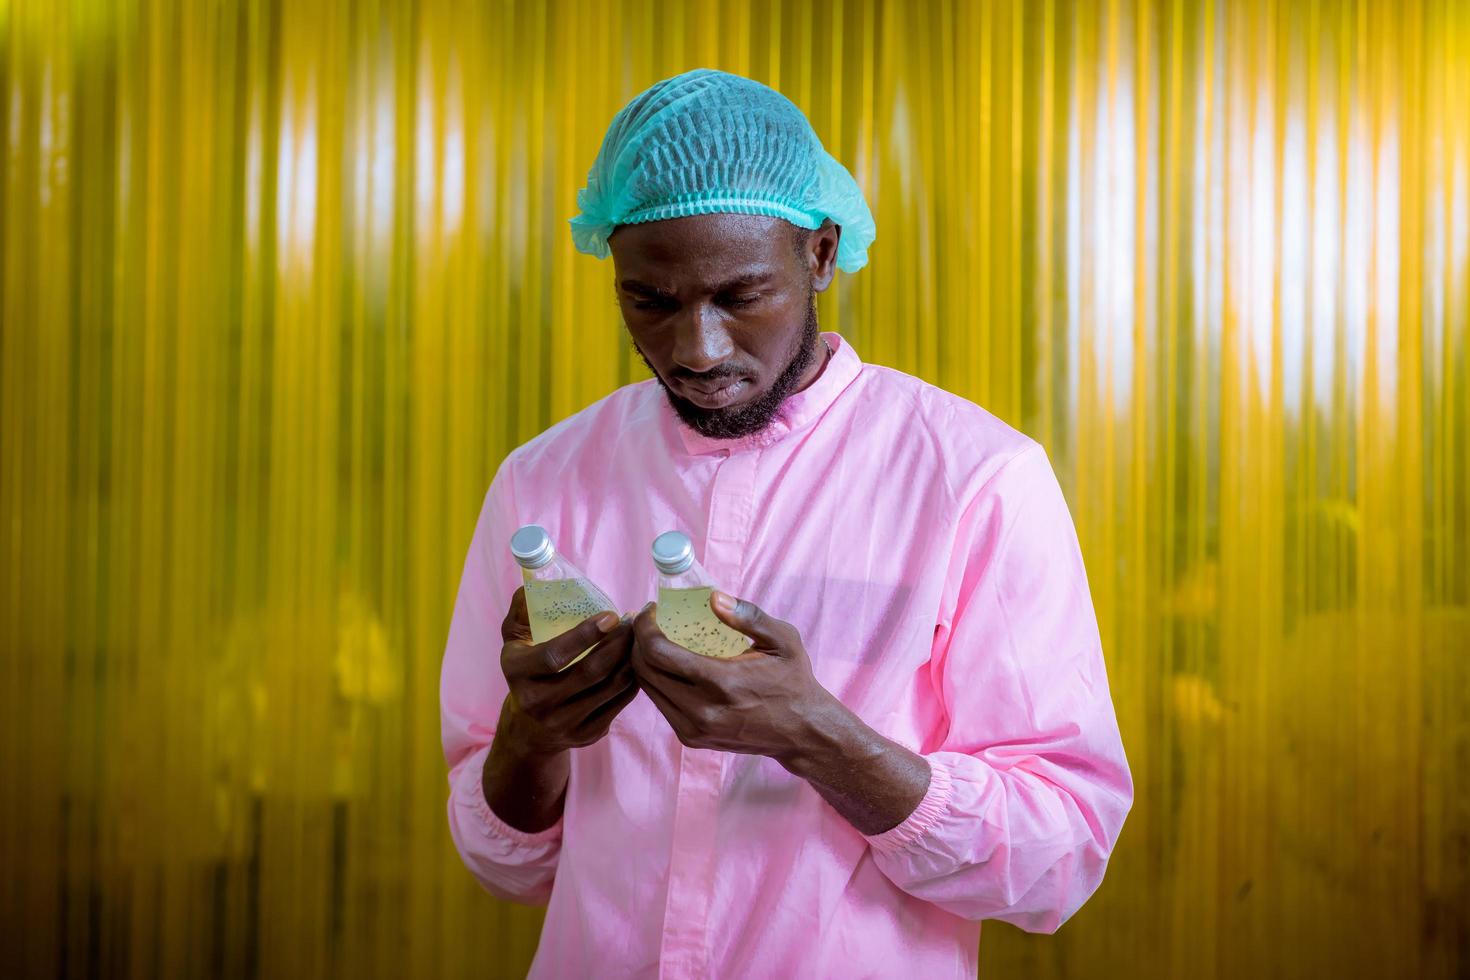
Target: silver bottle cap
673,552
532,546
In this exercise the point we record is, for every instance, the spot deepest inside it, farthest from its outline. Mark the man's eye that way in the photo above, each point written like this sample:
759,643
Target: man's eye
651,304
739,301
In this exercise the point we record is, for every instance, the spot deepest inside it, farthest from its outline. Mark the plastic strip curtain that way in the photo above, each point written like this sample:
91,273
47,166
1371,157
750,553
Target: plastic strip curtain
283,281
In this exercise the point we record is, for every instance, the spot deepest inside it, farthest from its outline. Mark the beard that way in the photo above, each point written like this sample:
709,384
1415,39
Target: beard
753,416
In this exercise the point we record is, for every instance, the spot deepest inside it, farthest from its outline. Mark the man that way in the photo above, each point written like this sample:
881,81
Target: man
920,736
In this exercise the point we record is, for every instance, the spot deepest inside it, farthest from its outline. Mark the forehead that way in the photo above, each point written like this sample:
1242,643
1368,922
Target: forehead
707,249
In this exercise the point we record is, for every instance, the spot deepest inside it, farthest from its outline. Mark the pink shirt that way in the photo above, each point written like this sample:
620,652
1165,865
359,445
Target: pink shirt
925,552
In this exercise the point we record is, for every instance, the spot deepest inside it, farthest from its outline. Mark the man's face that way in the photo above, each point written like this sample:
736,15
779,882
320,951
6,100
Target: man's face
722,309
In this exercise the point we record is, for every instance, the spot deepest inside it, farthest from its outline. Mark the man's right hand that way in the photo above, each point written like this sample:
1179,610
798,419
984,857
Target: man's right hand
553,707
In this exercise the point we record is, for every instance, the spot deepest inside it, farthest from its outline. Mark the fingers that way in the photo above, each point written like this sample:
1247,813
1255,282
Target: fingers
561,703
605,685
655,652
584,717
645,624
560,651
517,623
769,633
678,720
600,661
574,712
602,716
521,660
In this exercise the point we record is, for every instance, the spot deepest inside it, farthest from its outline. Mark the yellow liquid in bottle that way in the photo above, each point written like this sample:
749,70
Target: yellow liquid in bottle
686,618
560,604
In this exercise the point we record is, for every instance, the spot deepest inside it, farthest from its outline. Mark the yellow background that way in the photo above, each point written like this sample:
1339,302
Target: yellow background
282,282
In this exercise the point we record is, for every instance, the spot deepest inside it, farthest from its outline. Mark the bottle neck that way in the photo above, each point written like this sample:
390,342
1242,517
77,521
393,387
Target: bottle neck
556,568
693,577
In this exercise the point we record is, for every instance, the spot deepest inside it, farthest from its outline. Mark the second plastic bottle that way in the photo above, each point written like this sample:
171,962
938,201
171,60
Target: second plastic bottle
684,590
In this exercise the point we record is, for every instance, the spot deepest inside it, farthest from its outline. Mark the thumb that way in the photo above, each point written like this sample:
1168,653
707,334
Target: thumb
769,633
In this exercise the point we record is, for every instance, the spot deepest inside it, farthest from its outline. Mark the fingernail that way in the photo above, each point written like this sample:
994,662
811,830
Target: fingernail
723,602
607,621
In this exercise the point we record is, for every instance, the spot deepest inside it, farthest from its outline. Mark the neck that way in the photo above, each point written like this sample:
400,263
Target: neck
819,364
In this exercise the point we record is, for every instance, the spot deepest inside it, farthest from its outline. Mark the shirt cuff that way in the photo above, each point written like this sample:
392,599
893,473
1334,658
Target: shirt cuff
925,815
472,795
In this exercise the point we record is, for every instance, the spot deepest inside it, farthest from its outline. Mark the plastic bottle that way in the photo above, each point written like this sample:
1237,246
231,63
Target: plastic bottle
559,596
684,612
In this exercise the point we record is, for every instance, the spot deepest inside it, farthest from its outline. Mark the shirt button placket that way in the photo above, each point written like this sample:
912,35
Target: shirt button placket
693,862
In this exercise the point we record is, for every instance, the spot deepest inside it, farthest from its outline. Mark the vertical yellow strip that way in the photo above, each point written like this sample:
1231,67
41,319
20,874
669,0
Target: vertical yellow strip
1016,254
1081,349
1140,410
939,173
984,301
14,723
1204,580
1107,291
43,464
1047,272
150,702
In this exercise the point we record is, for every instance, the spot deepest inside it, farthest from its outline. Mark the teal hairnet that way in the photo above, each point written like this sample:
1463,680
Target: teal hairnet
708,142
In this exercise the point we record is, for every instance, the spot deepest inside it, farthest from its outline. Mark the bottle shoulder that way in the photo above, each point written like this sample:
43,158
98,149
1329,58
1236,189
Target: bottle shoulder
693,577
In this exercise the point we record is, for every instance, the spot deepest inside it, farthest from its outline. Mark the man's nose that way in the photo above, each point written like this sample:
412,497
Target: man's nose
701,342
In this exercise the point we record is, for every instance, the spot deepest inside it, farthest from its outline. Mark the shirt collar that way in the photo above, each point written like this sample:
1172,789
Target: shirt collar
797,412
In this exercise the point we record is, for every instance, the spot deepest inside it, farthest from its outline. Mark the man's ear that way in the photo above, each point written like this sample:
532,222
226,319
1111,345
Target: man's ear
821,254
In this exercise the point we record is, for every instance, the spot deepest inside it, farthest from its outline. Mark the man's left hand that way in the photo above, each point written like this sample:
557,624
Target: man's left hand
766,701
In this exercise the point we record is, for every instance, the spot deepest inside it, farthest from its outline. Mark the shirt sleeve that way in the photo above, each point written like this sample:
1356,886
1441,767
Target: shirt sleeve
1029,788
510,863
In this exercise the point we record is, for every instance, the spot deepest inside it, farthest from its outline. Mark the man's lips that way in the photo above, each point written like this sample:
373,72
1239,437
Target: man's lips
719,394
